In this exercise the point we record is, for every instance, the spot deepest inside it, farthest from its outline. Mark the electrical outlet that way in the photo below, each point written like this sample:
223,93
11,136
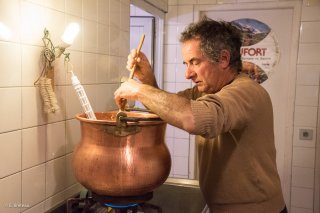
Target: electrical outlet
305,134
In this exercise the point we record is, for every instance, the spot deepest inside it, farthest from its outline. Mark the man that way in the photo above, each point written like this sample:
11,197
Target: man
231,115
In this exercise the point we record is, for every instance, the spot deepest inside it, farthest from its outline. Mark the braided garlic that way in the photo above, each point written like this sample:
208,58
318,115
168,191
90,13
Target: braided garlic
48,96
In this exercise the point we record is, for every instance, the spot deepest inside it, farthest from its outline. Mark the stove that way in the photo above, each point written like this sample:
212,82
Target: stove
94,203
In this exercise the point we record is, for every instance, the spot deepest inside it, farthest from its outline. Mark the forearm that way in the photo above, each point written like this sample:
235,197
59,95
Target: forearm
149,80
174,109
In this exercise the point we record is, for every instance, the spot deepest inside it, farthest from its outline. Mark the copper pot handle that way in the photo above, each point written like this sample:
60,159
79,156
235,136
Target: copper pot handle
134,119
122,116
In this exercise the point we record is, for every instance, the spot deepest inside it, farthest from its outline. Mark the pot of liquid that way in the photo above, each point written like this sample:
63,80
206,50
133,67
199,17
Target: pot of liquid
121,154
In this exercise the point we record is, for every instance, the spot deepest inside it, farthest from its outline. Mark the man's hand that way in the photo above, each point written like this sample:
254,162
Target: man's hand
127,91
143,70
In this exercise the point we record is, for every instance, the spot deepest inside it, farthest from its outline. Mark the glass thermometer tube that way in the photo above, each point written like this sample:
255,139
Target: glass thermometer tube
82,97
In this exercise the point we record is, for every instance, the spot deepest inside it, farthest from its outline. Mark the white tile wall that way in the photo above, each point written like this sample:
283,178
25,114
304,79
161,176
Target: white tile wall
73,7
169,143
181,74
302,197
124,21
185,14
300,210
307,95
89,74
11,193
171,17
10,64
10,17
170,131
10,108
33,146
170,53
107,102
90,9
11,142
172,2
308,75
169,72
77,59
59,71
103,39
32,17
303,177
55,176
56,141
179,59
70,178
114,69
103,11
115,40
33,185
73,133
207,1
36,148
303,157
187,2
180,166
30,64
307,32
115,14
309,53
171,34
31,108
179,13
170,87
305,116
181,134
55,4
90,30
310,13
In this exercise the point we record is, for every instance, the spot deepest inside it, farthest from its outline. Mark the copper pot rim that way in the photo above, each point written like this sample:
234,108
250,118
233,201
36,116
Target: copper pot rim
109,118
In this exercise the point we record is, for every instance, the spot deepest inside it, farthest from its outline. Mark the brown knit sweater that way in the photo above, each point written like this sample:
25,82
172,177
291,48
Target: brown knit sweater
236,149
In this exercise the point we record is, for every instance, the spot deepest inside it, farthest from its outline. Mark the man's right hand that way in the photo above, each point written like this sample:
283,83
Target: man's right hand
143,71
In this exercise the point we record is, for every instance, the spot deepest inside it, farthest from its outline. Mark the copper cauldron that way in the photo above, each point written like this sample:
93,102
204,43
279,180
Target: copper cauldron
121,154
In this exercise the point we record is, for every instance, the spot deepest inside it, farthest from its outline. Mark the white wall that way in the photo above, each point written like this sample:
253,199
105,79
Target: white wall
304,188
35,148
304,192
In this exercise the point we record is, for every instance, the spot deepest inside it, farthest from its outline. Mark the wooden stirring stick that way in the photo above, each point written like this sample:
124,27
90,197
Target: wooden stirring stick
124,101
138,51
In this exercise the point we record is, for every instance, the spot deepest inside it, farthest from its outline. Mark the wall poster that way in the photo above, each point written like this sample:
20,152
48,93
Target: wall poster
260,51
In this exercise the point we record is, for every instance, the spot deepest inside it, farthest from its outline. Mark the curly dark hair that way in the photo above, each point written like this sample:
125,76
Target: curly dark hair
214,37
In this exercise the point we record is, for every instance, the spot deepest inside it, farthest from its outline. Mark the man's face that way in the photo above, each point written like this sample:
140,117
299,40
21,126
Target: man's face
204,73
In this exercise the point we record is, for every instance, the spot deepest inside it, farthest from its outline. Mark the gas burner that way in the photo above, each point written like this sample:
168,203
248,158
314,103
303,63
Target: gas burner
122,200
94,203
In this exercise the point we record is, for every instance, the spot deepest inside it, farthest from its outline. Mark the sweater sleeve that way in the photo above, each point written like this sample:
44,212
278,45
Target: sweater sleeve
229,109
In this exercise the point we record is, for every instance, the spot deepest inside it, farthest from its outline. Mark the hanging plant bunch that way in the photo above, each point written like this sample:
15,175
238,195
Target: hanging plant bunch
46,78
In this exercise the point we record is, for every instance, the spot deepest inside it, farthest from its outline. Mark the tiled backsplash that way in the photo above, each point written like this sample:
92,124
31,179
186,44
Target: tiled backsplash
36,148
